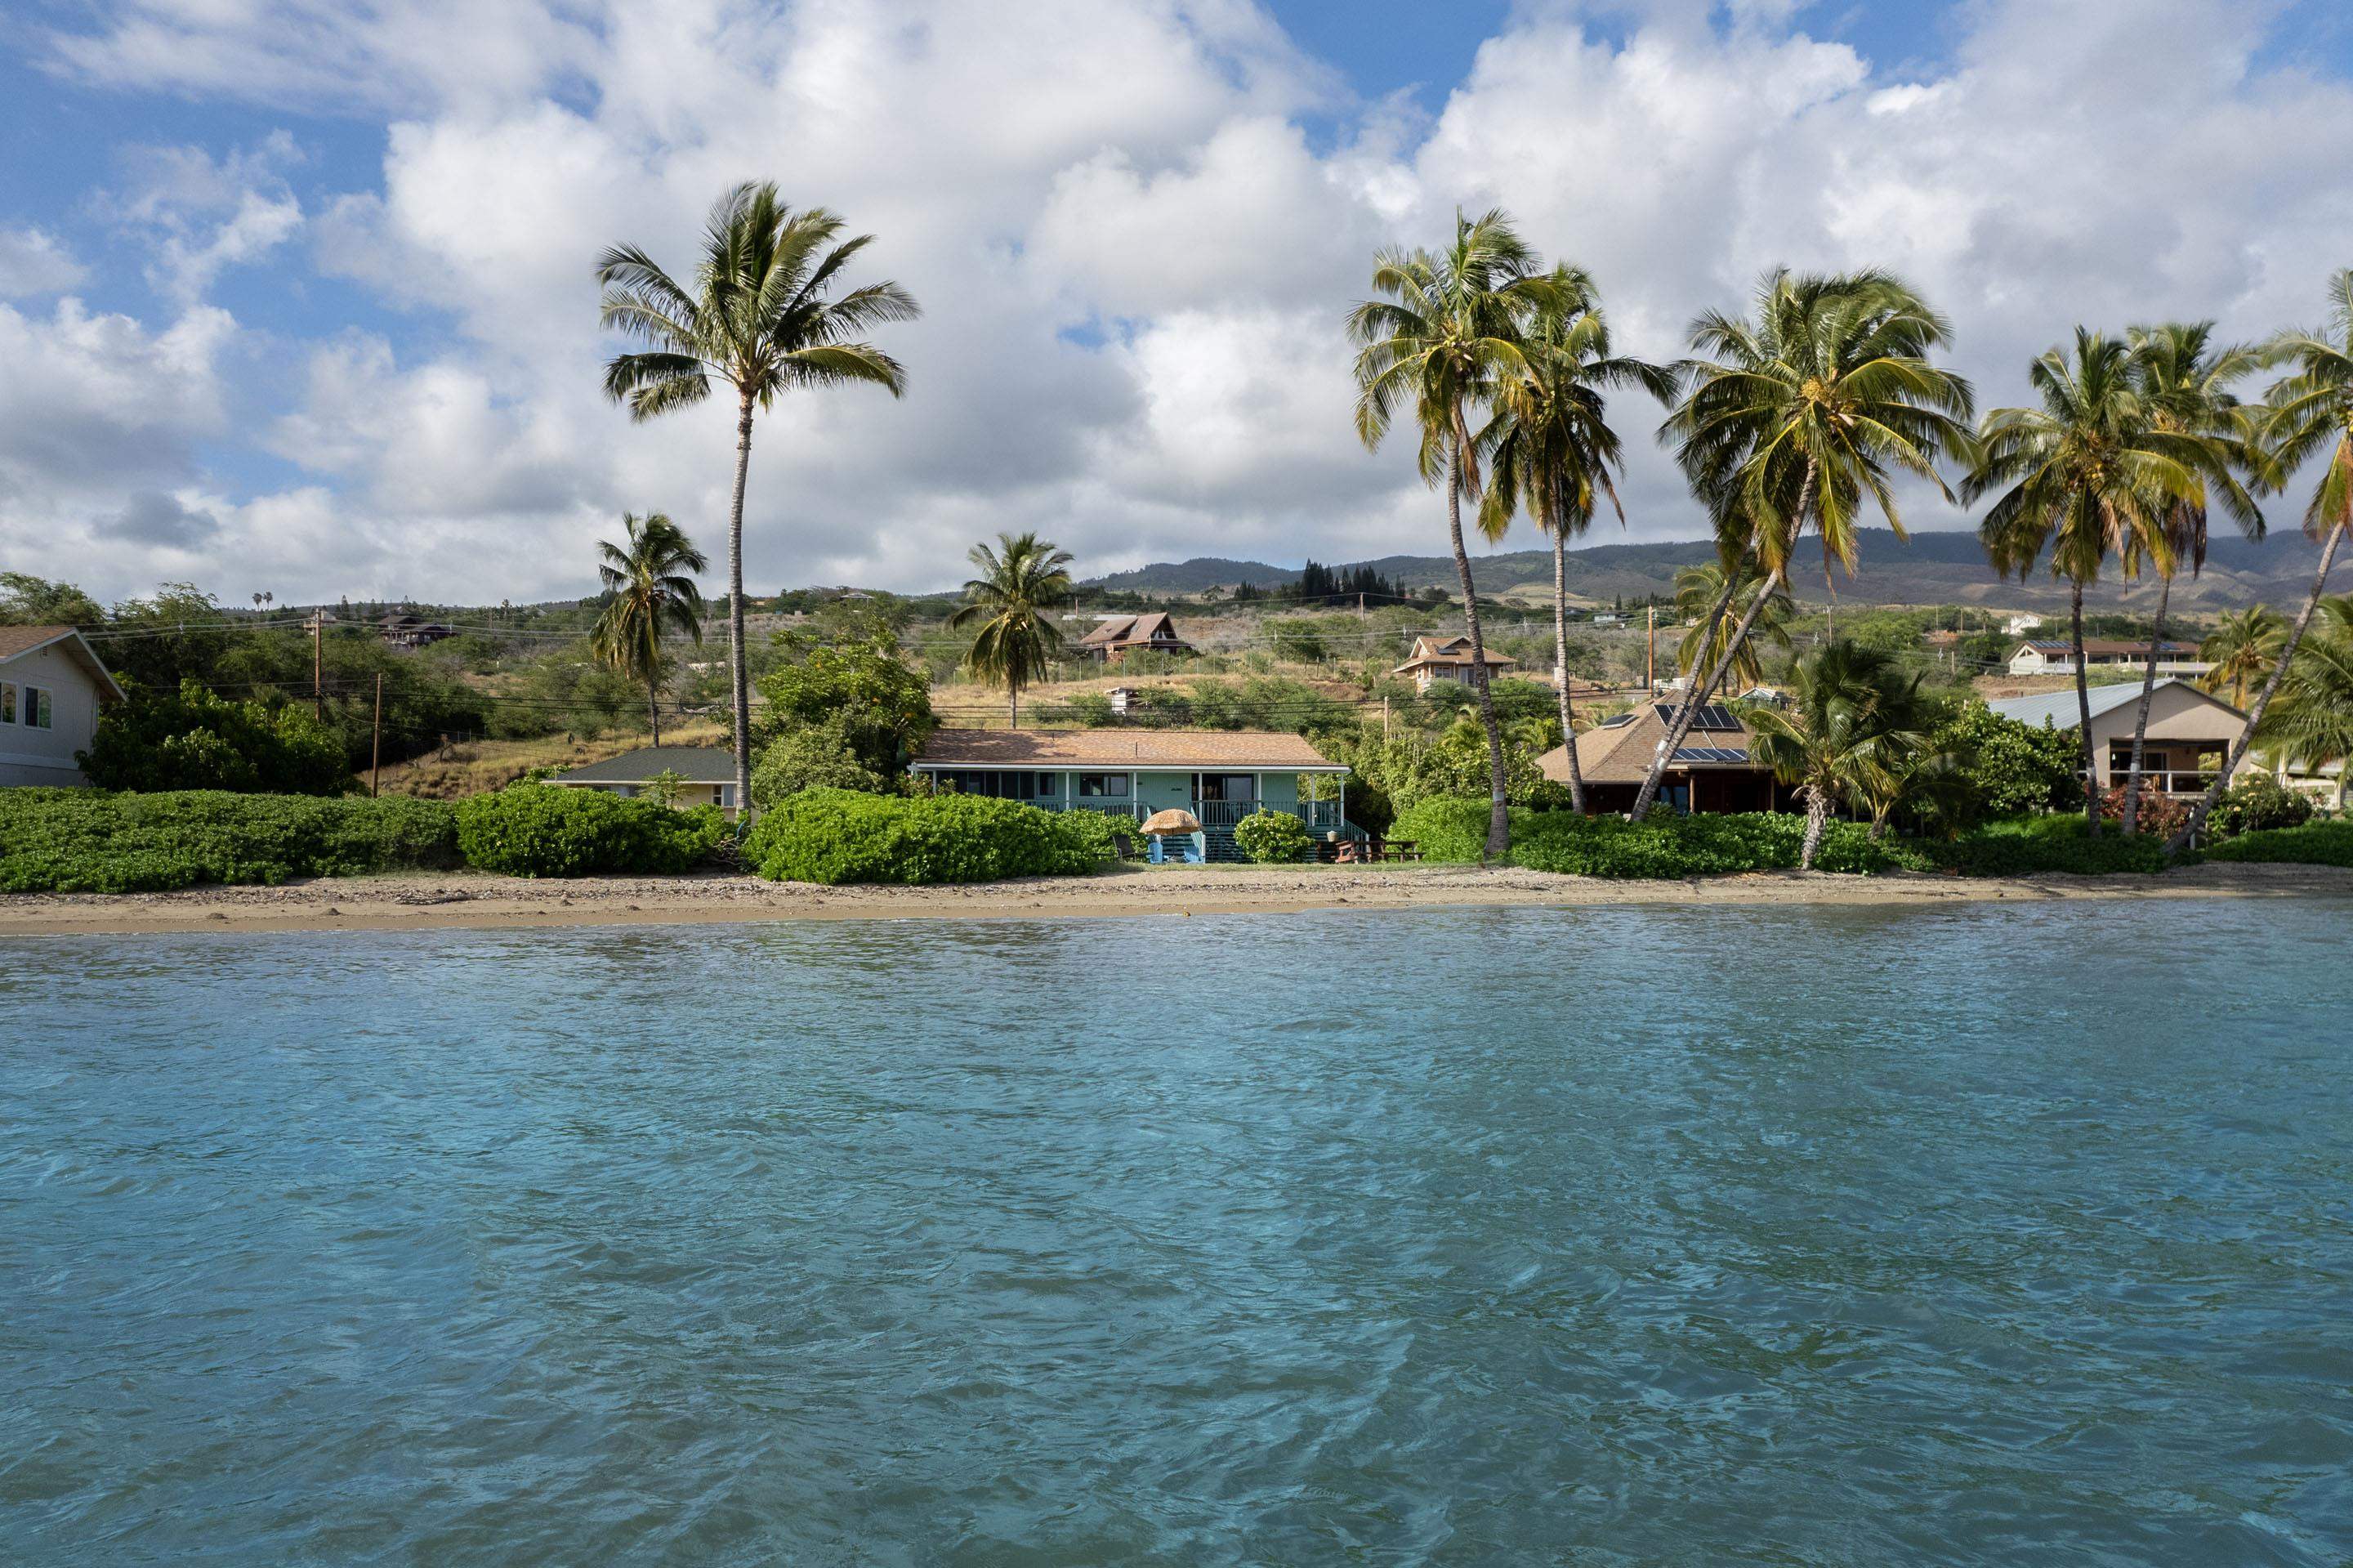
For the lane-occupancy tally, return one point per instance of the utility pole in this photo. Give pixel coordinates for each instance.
(1650, 653)
(376, 737)
(318, 665)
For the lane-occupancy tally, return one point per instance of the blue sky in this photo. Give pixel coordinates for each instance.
(298, 297)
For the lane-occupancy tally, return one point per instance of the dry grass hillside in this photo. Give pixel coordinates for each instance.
(474, 768)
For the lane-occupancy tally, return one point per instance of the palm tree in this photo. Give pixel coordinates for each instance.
(1854, 734)
(1550, 448)
(2185, 386)
(1446, 332)
(2307, 413)
(2089, 476)
(1796, 418)
(2312, 721)
(2241, 648)
(762, 319)
(1699, 595)
(648, 576)
(1011, 602)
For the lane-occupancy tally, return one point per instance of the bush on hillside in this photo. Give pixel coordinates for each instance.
(1273, 838)
(546, 830)
(2313, 843)
(89, 841)
(1664, 844)
(193, 739)
(839, 836)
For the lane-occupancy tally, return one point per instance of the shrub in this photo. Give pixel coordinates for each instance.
(818, 757)
(837, 836)
(2256, 804)
(195, 739)
(2160, 814)
(1272, 838)
(2313, 843)
(1664, 844)
(545, 829)
(2026, 846)
(88, 841)
(2013, 768)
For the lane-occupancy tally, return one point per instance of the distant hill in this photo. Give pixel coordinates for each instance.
(1946, 568)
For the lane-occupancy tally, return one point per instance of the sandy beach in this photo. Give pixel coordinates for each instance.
(460, 899)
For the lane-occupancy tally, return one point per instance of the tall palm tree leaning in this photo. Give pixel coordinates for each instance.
(1019, 585)
(1550, 449)
(761, 318)
(1699, 593)
(1795, 419)
(648, 576)
(2088, 475)
(1445, 334)
(2185, 384)
(2307, 413)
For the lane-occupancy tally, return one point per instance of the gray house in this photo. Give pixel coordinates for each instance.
(51, 687)
(708, 774)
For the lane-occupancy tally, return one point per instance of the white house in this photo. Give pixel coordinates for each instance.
(51, 687)
(2041, 656)
(705, 775)
(2189, 731)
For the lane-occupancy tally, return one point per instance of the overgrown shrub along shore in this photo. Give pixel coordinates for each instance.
(842, 836)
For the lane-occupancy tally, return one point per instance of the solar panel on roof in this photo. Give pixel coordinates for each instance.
(1710, 754)
(1710, 716)
(1617, 721)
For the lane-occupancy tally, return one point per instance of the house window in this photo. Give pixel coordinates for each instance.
(7, 702)
(37, 707)
(994, 784)
(1103, 786)
(1241, 787)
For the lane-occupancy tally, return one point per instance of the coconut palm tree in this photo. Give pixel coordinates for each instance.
(1699, 595)
(2306, 413)
(1445, 333)
(1011, 601)
(1855, 733)
(2185, 386)
(2241, 648)
(1797, 418)
(761, 318)
(2311, 722)
(647, 575)
(1550, 448)
(2088, 475)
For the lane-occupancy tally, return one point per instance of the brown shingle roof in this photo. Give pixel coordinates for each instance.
(1621, 753)
(17, 639)
(1121, 630)
(1122, 748)
(1448, 650)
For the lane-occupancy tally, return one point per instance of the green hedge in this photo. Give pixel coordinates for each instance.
(2315, 844)
(1273, 838)
(840, 835)
(90, 841)
(1664, 845)
(2027, 846)
(546, 830)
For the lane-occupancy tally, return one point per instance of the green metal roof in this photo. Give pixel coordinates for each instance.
(694, 764)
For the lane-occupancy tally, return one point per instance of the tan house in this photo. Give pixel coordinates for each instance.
(2189, 731)
(707, 774)
(1115, 637)
(1712, 771)
(52, 686)
(1449, 658)
(1219, 776)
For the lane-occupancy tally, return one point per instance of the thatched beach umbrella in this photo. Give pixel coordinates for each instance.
(1172, 822)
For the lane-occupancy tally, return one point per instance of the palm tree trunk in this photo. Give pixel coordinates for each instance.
(1696, 693)
(653, 708)
(1012, 705)
(1560, 666)
(1817, 817)
(737, 676)
(1499, 818)
(2197, 823)
(2083, 713)
(2140, 720)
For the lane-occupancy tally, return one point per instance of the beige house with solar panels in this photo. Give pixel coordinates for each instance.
(1712, 771)
(51, 687)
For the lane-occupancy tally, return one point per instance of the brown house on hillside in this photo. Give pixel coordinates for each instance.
(1712, 771)
(1449, 658)
(1120, 635)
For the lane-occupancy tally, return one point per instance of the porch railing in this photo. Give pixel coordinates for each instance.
(1322, 815)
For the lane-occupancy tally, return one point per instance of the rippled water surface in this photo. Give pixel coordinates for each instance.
(1610, 1236)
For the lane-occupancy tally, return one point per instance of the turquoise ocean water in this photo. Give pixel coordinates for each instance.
(1988, 1235)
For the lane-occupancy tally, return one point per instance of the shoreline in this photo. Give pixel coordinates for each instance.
(476, 900)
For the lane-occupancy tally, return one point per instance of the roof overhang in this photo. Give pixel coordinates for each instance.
(77, 649)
